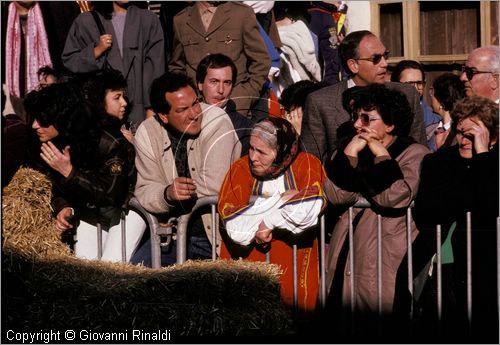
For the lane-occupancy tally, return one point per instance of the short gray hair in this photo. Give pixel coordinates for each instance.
(266, 131)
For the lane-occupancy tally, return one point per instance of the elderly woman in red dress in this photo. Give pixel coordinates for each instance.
(269, 201)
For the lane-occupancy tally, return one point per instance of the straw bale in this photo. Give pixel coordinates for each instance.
(46, 288)
(198, 298)
(27, 221)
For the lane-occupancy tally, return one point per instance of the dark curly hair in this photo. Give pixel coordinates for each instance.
(392, 105)
(448, 89)
(62, 105)
(483, 108)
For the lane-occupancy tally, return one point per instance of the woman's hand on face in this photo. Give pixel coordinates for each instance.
(481, 135)
(57, 160)
(375, 143)
(264, 234)
(356, 144)
(62, 219)
(295, 118)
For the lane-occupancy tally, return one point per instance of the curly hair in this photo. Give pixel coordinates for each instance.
(483, 108)
(448, 89)
(392, 105)
(62, 105)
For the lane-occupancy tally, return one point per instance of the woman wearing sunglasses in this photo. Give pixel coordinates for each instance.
(378, 162)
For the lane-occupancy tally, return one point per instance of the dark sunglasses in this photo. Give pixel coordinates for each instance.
(365, 118)
(470, 72)
(376, 58)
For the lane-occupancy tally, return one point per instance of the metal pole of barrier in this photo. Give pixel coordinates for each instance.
(379, 269)
(214, 231)
(410, 263)
(469, 272)
(439, 277)
(295, 280)
(322, 240)
(182, 224)
(99, 241)
(351, 266)
(153, 226)
(124, 237)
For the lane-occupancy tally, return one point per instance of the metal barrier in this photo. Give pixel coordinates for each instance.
(158, 232)
(439, 299)
(123, 238)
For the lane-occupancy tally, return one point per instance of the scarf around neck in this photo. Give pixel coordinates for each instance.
(37, 48)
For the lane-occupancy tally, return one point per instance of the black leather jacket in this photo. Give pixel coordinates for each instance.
(99, 192)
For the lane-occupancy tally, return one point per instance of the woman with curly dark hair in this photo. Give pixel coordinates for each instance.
(91, 165)
(380, 163)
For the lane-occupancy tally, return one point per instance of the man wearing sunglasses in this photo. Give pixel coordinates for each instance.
(364, 57)
(480, 73)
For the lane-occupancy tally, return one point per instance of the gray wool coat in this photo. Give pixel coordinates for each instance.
(143, 57)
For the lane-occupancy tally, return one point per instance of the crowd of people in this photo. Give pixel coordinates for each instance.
(131, 120)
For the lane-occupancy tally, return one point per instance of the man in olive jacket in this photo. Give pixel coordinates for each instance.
(229, 28)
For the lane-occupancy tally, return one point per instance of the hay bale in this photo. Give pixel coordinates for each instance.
(45, 287)
(27, 221)
(198, 298)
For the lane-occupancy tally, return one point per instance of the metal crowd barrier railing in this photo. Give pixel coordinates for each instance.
(160, 232)
(439, 300)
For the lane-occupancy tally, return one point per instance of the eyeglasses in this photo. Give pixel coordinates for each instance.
(365, 118)
(376, 58)
(470, 72)
(416, 83)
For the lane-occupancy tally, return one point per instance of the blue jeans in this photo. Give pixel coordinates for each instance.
(198, 247)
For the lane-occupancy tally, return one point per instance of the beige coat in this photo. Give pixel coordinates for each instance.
(400, 194)
(210, 156)
(234, 32)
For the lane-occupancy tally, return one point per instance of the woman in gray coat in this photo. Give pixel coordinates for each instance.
(133, 44)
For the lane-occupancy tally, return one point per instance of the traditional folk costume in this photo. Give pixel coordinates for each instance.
(246, 200)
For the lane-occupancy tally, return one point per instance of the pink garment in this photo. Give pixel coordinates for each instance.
(37, 48)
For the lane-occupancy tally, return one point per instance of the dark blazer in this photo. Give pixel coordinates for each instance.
(324, 114)
(233, 32)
